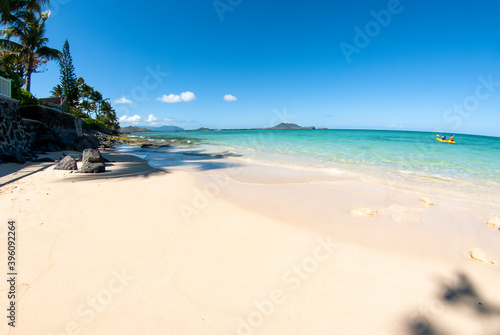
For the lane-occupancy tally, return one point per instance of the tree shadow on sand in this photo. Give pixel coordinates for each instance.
(13, 172)
(195, 159)
(463, 296)
(132, 166)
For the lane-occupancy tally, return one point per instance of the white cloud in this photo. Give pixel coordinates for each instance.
(138, 120)
(173, 98)
(187, 96)
(123, 100)
(130, 119)
(152, 118)
(229, 98)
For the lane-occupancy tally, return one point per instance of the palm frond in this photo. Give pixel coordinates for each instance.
(10, 45)
(49, 53)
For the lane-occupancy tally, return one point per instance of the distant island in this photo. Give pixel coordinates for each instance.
(131, 129)
(280, 126)
(289, 126)
(165, 128)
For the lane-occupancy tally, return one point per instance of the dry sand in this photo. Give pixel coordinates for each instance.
(241, 250)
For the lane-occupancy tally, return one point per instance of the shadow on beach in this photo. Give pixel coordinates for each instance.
(194, 160)
(460, 297)
(130, 167)
(12, 172)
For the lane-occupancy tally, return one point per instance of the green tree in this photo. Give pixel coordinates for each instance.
(29, 29)
(108, 115)
(14, 62)
(92, 105)
(79, 83)
(68, 76)
(57, 91)
(96, 100)
(10, 7)
(86, 107)
(85, 91)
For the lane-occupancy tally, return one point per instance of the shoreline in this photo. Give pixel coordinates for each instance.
(395, 201)
(479, 195)
(419, 149)
(230, 247)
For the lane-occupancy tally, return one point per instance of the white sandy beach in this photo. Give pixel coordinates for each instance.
(242, 250)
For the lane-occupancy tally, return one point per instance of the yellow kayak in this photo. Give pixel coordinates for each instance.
(447, 141)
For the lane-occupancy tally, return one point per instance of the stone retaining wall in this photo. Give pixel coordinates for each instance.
(54, 130)
(15, 142)
(28, 130)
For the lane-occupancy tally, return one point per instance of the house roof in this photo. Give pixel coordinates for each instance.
(53, 100)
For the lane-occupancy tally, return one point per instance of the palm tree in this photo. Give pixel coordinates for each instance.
(29, 28)
(106, 113)
(104, 107)
(109, 115)
(79, 84)
(86, 106)
(96, 98)
(57, 91)
(9, 7)
(84, 92)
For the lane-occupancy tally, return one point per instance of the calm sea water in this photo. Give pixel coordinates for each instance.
(473, 158)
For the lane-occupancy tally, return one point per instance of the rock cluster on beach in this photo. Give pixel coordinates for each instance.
(26, 131)
(145, 143)
(68, 163)
(92, 162)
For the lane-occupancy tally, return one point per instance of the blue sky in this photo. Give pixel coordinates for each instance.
(413, 65)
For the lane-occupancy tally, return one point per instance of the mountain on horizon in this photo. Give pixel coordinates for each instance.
(132, 129)
(164, 128)
(289, 126)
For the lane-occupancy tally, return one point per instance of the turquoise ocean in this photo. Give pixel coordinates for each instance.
(473, 162)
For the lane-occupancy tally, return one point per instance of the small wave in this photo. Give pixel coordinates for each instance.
(138, 155)
(425, 175)
(334, 170)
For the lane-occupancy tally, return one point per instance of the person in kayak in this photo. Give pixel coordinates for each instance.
(443, 137)
(452, 137)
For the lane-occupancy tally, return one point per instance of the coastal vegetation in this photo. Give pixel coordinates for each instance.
(132, 130)
(68, 85)
(84, 101)
(8, 7)
(24, 51)
(28, 28)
